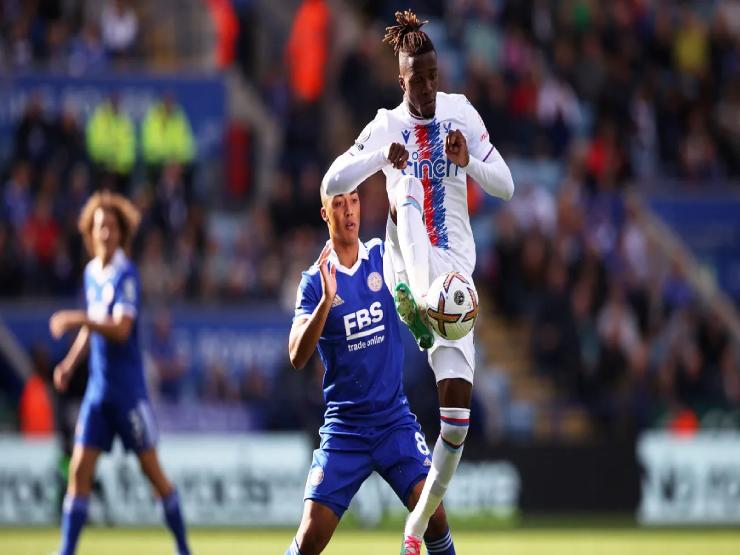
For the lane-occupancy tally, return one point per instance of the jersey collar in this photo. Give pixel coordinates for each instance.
(101, 274)
(362, 254)
(416, 120)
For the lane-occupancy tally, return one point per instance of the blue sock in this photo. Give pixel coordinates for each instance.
(74, 515)
(441, 546)
(293, 549)
(173, 516)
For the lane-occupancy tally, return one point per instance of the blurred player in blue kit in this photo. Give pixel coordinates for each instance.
(116, 401)
(344, 307)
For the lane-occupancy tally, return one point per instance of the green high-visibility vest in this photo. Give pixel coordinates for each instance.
(166, 137)
(111, 140)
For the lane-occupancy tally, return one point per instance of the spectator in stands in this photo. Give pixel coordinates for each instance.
(555, 335)
(111, 143)
(68, 142)
(308, 50)
(119, 25)
(170, 210)
(11, 275)
(166, 136)
(17, 200)
(306, 57)
(87, 53)
(156, 278)
(40, 236)
(33, 138)
(170, 366)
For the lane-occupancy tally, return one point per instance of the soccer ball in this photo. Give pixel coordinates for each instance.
(452, 305)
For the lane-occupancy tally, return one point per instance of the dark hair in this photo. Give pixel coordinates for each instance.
(407, 36)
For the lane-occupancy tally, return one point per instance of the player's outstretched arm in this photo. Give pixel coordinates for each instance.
(350, 169)
(306, 331)
(116, 328)
(64, 370)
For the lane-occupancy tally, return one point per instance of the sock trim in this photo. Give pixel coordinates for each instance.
(440, 545)
(455, 421)
(294, 550)
(451, 446)
(75, 503)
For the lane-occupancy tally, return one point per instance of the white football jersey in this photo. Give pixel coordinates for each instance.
(445, 184)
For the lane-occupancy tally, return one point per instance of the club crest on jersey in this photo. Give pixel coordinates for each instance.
(316, 476)
(374, 281)
(406, 133)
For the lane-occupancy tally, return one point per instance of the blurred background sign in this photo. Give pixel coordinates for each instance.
(690, 480)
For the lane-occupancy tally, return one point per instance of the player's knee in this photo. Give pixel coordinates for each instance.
(454, 425)
(410, 191)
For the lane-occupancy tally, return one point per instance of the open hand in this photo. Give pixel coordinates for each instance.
(62, 376)
(456, 148)
(328, 276)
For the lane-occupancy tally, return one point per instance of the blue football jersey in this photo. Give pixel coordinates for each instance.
(360, 344)
(116, 369)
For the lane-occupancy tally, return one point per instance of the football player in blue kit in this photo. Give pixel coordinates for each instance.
(116, 401)
(344, 307)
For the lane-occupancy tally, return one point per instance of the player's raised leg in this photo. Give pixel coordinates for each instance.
(413, 243)
(74, 511)
(167, 494)
(316, 529)
(454, 401)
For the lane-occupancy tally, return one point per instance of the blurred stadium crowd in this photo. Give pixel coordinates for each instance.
(586, 99)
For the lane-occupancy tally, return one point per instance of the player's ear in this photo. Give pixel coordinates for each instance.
(402, 83)
(324, 215)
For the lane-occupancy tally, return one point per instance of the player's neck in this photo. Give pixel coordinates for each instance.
(105, 257)
(347, 253)
(413, 111)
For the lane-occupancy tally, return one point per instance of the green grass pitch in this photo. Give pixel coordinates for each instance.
(97, 541)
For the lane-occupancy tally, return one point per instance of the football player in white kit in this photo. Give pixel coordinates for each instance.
(425, 147)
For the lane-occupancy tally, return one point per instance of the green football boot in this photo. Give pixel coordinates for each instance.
(408, 310)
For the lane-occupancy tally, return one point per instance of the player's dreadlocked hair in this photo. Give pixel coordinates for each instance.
(407, 36)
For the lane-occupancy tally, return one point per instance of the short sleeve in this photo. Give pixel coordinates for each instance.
(372, 137)
(306, 297)
(126, 296)
(479, 142)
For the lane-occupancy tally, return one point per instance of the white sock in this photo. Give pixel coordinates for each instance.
(412, 234)
(454, 423)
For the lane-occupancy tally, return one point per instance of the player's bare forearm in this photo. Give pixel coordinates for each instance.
(79, 347)
(305, 334)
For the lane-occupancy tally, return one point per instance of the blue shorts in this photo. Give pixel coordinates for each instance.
(343, 462)
(100, 421)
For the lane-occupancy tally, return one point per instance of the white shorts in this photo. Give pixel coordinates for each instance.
(448, 359)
